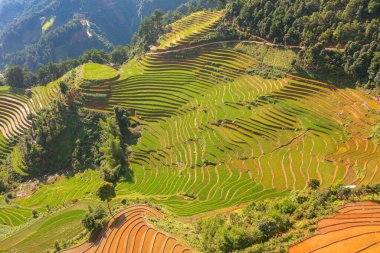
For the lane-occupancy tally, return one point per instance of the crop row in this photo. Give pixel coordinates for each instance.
(189, 29)
(128, 231)
(204, 110)
(354, 229)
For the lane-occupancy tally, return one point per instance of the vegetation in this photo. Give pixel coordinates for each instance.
(94, 219)
(350, 24)
(193, 127)
(18, 77)
(106, 192)
(94, 71)
(47, 24)
(30, 41)
(271, 226)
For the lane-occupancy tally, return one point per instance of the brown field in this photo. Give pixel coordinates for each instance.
(356, 228)
(129, 232)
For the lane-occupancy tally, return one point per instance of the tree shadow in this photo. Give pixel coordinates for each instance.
(337, 78)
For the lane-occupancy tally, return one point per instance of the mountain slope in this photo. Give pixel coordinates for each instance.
(43, 30)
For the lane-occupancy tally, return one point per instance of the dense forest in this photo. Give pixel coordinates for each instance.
(353, 25)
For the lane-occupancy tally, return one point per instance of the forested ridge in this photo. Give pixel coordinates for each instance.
(24, 42)
(353, 25)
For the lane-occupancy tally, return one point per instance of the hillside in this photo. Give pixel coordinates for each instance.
(201, 144)
(34, 33)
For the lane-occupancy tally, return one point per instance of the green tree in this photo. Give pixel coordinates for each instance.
(123, 119)
(94, 55)
(314, 184)
(19, 77)
(268, 227)
(63, 87)
(120, 55)
(111, 149)
(344, 192)
(371, 190)
(94, 219)
(106, 192)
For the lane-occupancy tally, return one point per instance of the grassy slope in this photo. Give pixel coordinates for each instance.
(281, 132)
(41, 235)
(94, 71)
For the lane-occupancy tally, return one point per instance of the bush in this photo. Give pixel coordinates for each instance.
(94, 219)
(57, 246)
(287, 206)
(35, 213)
(314, 184)
(268, 227)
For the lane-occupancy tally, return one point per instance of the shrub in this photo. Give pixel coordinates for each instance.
(314, 184)
(94, 219)
(57, 246)
(268, 227)
(287, 206)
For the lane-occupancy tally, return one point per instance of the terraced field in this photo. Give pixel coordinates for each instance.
(354, 229)
(64, 191)
(220, 128)
(128, 231)
(217, 131)
(15, 106)
(98, 72)
(188, 30)
(13, 216)
(40, 235)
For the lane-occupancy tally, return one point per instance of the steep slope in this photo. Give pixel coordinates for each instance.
(210, 125)
(220, 128)
(43, 30)
(128, 231)
(16, 105)
(354, 229)
(219, 133)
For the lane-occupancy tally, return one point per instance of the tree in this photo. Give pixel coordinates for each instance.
(94, 55)
(149, 31)
(344, 192)
(63, 87)
(94, 219)
(19, 77)
(7, 200)
(57, 246)
(268, 227)
(371, 189)
(314, 184)
(35, 213)
(2, 80)
(106, 192)
(120, 54)
(123, 119)
(112, 152)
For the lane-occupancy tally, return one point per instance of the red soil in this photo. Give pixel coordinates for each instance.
(356, 228)
(128, 232)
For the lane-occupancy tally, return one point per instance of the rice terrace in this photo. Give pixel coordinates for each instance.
(219, 126)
